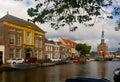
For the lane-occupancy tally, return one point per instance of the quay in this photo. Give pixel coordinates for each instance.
(46, 64)
(5, 67)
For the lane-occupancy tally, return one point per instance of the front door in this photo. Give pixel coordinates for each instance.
(27, 53)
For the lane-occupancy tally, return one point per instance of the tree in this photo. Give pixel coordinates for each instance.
(61, 13)
(83, 49)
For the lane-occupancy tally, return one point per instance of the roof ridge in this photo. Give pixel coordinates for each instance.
(20, 21)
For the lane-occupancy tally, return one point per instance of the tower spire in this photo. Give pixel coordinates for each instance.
(102, 37)
(7, 12)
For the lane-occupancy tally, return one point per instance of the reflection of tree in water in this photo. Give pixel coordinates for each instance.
(102, 69)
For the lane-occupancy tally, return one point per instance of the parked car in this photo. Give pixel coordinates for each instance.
(55, 59)
(15, 61)
(31, 60)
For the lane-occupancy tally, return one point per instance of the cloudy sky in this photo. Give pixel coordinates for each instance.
(89, 35)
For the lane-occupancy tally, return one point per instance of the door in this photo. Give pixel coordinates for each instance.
(27, 53)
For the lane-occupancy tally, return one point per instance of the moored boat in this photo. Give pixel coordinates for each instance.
(23, 66)
(115, 59)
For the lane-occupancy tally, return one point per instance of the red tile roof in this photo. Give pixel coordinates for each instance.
(67, 41)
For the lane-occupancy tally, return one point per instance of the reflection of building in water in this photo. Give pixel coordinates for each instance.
(102, 69)
(102, 48)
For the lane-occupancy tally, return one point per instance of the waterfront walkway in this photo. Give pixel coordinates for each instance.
(5, 67)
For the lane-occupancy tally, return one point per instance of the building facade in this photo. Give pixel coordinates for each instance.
(49, 49)
(20, 38)
(62, 49)
(70, 46)
(102, 48)
(52, 49)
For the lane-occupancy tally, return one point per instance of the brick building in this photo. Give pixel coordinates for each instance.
(102, 48)
(20, 38)
(70, 46)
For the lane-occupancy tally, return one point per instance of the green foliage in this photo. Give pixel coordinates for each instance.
(83, 49)
(65, 12)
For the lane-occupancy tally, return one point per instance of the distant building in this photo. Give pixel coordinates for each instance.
(69, 47)
(102, 48)
(51, 49)
(20, 38)
(117, 54)
(62, 50)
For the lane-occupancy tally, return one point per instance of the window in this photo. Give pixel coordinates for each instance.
(36, 43)
(12, 29)
(40, 54)
(18, 40)
(11, 38)
(50, 48)
(18, 31)
(11, 53)
(46, 48)
(40, 43)
(36, 53)
(18, 53)
(28, 37)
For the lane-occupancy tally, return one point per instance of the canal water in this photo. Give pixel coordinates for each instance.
(93, 69)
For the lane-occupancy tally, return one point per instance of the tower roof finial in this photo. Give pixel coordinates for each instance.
(102, 37)
(7, 12)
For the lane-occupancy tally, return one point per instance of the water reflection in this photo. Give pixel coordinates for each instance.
(61, 72)
(102, 69)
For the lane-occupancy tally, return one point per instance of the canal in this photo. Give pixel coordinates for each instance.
(94, 69)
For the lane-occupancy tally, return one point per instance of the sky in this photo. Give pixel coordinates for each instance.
(89, 35)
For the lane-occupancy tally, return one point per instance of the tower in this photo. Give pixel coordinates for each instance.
(102, 38)
(102, 48)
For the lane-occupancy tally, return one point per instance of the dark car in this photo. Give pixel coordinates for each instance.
(31, 60)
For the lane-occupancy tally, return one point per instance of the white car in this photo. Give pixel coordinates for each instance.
(15, 61)
(55, 59)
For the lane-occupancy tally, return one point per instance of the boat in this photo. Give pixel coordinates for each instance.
(90, 59)
(116, 73)
(115, 59)
(23, 66)
(69, 61)
(83, 79)
(116, 78)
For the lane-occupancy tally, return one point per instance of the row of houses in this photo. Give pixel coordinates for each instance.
(20, 38)
(62, 49)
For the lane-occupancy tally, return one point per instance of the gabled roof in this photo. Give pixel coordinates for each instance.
(68, 42)
(49, 41)
(21, 22)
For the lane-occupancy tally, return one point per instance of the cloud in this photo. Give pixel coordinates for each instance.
(89, 35)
